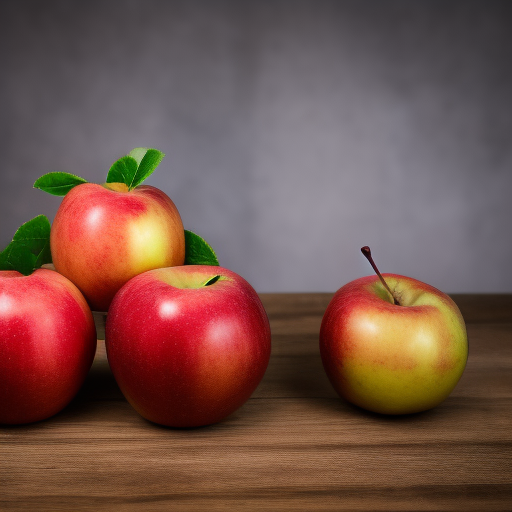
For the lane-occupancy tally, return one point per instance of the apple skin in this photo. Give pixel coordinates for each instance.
(47, 344)
(185, 354)
(393, 359)
(103, 235)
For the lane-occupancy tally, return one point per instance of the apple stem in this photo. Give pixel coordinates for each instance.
(368, 255)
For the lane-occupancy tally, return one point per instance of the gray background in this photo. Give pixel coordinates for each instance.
(295, 131)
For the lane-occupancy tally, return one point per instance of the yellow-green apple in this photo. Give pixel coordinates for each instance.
(187, 345)
(47, 344)
(103, 235)
(392, 344)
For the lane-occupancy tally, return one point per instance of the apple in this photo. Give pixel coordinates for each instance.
(47, 344)
(103, 235)
(391, 344)
(187, 345)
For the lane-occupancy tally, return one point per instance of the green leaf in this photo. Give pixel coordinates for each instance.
(58, 183)
(198, 251)
(123, 171)
(4, 262)
(134, 168)
(30, 247)
(147, 164)
(212, 280)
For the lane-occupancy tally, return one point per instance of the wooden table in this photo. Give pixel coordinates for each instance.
(293, 446)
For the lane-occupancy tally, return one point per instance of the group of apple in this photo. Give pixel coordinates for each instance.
(188, 344)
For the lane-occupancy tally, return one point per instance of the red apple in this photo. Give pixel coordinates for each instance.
(103, 235)
(393, 352)
(47, 344)
(187, 345)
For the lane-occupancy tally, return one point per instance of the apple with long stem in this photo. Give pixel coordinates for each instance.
(392, 344)
(187, 345)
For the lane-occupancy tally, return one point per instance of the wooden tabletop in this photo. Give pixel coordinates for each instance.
(295, 445)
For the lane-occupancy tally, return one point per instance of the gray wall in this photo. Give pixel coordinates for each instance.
(295, 131)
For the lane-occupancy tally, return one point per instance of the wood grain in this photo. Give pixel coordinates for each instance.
(293, 446)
